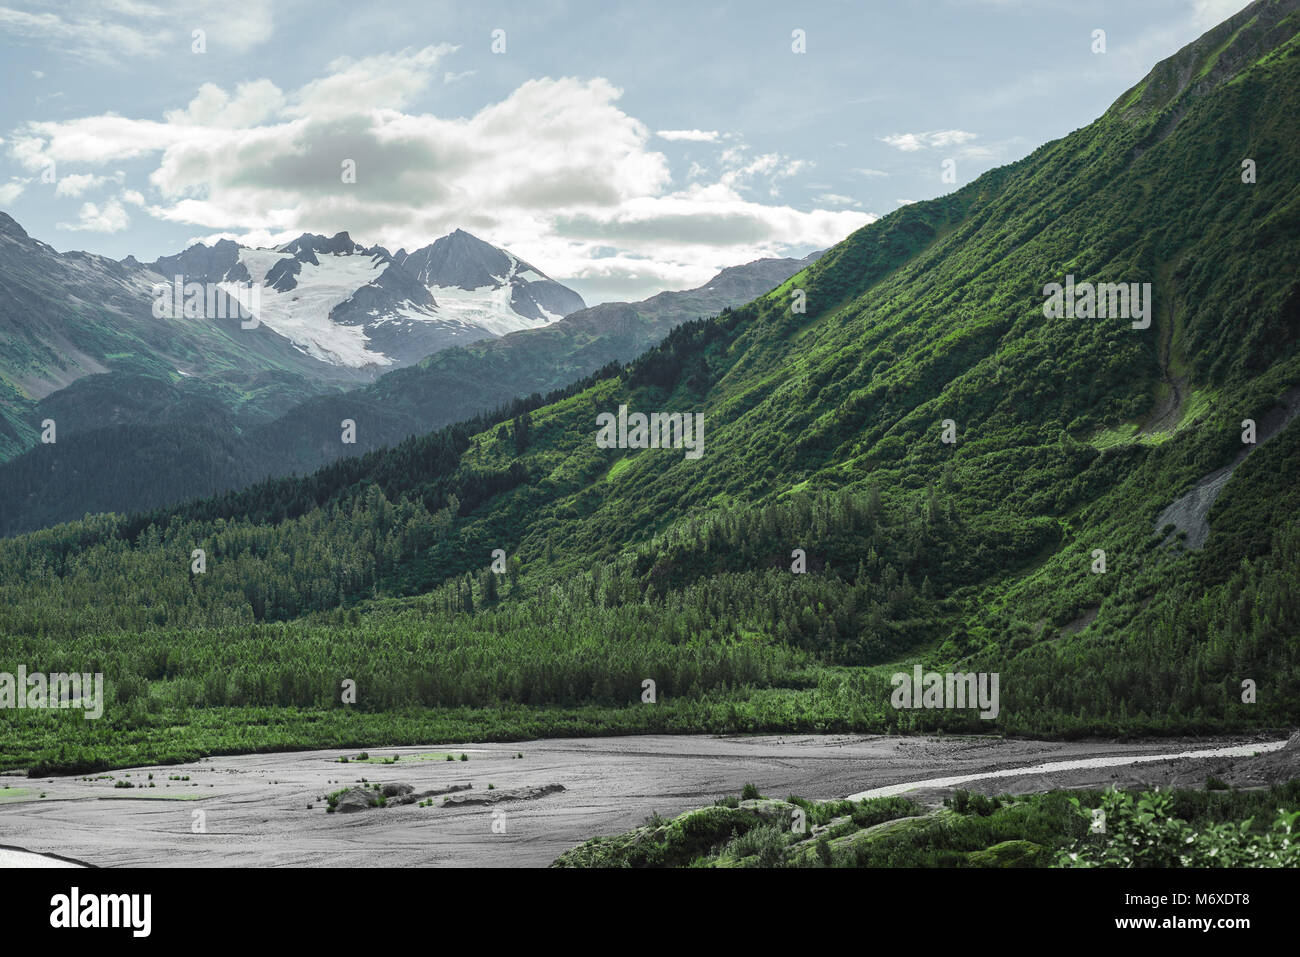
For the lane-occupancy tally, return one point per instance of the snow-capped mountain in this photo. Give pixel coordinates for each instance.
(357, 306)
(481, 284)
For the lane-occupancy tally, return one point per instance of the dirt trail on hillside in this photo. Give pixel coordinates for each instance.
(255, 807)
(1168, 411)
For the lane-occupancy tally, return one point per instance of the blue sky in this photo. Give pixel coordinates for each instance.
(621, 148)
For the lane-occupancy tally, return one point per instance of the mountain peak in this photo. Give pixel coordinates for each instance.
(465, 240)
(1217, 56)
(10, 227)
(462, 260)
(340, 244)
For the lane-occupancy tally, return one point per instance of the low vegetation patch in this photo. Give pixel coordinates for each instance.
(1181, 828)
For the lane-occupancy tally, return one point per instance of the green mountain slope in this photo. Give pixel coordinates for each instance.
(136, 441)
(823, 432)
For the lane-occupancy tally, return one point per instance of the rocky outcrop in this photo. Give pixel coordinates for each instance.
(393, 793)
(355, 799)
(411, 797)
(497, 796)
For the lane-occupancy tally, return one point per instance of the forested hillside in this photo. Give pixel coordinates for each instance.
(824, 432)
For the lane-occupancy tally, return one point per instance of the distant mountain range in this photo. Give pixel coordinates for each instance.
(153, 410)
(268, 328)
(350, 305)
(66, 317)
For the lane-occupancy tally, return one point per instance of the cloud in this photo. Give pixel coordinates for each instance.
(77, 184)
(91, 140)
(384, 81)
(450, 77)
(114, 32)
(911, 142)
(555, 170)
(109, 218)
(252, 103)
(689, 136)
(836, 199)
(740, 170)
(982, 153)
(11, 190)
(869, 172)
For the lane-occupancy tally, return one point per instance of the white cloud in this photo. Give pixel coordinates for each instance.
(111, 217)
(836, 199)
(113, 32)
(870, 173)
(556, 171)
(740, 170)
(689, 136)
(451, 77)
(76, 184)
(91, 140)
(11, 190)
(385, 81)
(252, 103)
(981, 153)
(911, 142)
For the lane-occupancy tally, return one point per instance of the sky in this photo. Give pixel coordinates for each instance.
(621, 148)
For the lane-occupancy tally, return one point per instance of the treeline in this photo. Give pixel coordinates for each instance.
(872, 582)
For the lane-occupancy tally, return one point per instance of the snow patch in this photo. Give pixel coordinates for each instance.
(487, 307)
(301, 314)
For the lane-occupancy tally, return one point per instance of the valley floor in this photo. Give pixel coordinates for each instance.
(255, 808)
